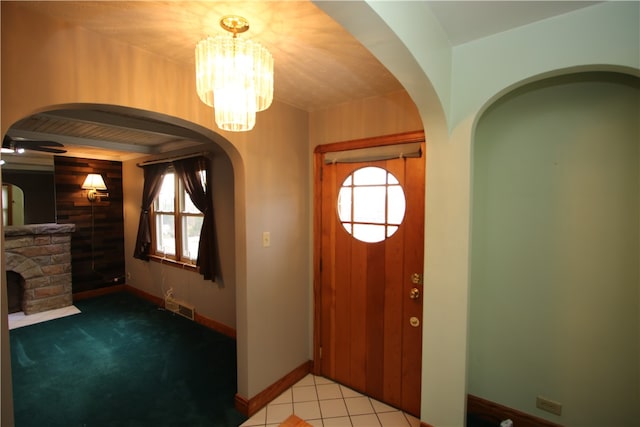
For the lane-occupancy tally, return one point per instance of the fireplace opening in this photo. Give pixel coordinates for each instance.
(15, 291)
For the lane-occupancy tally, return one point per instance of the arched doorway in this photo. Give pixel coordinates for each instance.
(227, 169)
(554, 252)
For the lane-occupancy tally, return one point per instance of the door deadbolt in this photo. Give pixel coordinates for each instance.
(414, 321)
(414, 293)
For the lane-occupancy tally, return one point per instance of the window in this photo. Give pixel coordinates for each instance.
(175, 221)
(371, 204)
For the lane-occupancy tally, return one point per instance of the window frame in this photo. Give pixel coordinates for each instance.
(178, 213)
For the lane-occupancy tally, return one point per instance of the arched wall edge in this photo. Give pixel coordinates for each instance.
(609, 68)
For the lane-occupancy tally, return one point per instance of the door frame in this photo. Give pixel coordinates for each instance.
(318, 154)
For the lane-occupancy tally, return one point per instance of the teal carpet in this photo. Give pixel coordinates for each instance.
(123, 362)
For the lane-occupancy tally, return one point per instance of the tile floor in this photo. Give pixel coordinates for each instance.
(17, 320)
(324, 403)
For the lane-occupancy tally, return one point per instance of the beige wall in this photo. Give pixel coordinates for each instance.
(394, 113)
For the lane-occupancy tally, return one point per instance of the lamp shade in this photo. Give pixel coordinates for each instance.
(94, 181)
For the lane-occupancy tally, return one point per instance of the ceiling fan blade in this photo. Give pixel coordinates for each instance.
(46, 149)
(33, 145)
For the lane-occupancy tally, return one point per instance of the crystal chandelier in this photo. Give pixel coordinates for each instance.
(234, 76)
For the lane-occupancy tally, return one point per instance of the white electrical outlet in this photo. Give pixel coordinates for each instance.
(549, 405)
(266, 239)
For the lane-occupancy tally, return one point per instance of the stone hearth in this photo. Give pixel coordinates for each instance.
(41, 254)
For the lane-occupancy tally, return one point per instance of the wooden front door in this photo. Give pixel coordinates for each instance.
(369, 277)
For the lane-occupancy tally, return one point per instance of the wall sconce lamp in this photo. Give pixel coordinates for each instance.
(94, 182)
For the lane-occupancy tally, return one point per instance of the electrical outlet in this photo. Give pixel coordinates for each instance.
(549, 405)
(266, 239)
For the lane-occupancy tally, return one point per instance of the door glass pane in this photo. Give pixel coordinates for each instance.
(396, 204)
(165, 234)
(368, 204)
(369, 233)
(370, 176)
(344, 204)
(191, 226)
(371, 204)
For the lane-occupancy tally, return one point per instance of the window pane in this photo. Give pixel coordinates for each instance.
(344, 204)
(370, 176)
(165, 235)
(191, 226)
(203, 178)
(165, 200)
(396, 204)
(369, 233)
(187, 204)
(5, 204)
(368, 204)
(391, 229)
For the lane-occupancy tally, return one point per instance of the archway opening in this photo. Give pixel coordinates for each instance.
(555, 245)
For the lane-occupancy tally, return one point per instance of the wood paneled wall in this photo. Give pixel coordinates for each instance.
(97, 246)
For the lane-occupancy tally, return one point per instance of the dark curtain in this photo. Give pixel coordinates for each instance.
(188, 171)
(152, 182)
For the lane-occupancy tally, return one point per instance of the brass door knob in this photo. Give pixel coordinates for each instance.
(414, 293)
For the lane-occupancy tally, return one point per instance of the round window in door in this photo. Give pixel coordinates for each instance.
(371, 204)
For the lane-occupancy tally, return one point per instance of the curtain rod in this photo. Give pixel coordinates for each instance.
(171, 159)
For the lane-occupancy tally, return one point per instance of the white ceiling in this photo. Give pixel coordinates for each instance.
(317, 63)
(465, 21)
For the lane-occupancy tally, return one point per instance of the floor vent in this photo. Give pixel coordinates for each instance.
(179, 308)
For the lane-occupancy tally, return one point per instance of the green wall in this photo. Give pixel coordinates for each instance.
(554, 293)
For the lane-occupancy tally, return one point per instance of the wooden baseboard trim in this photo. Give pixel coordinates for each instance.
(496, 413)
(248, 407)
(144, 295)
(78, 296)
(198, 318)
(216, 326)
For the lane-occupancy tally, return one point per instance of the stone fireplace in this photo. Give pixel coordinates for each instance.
(41, 255)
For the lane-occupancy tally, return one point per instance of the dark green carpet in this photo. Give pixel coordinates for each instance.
(123, 362)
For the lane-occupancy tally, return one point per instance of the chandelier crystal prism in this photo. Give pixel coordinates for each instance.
(234, 76)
